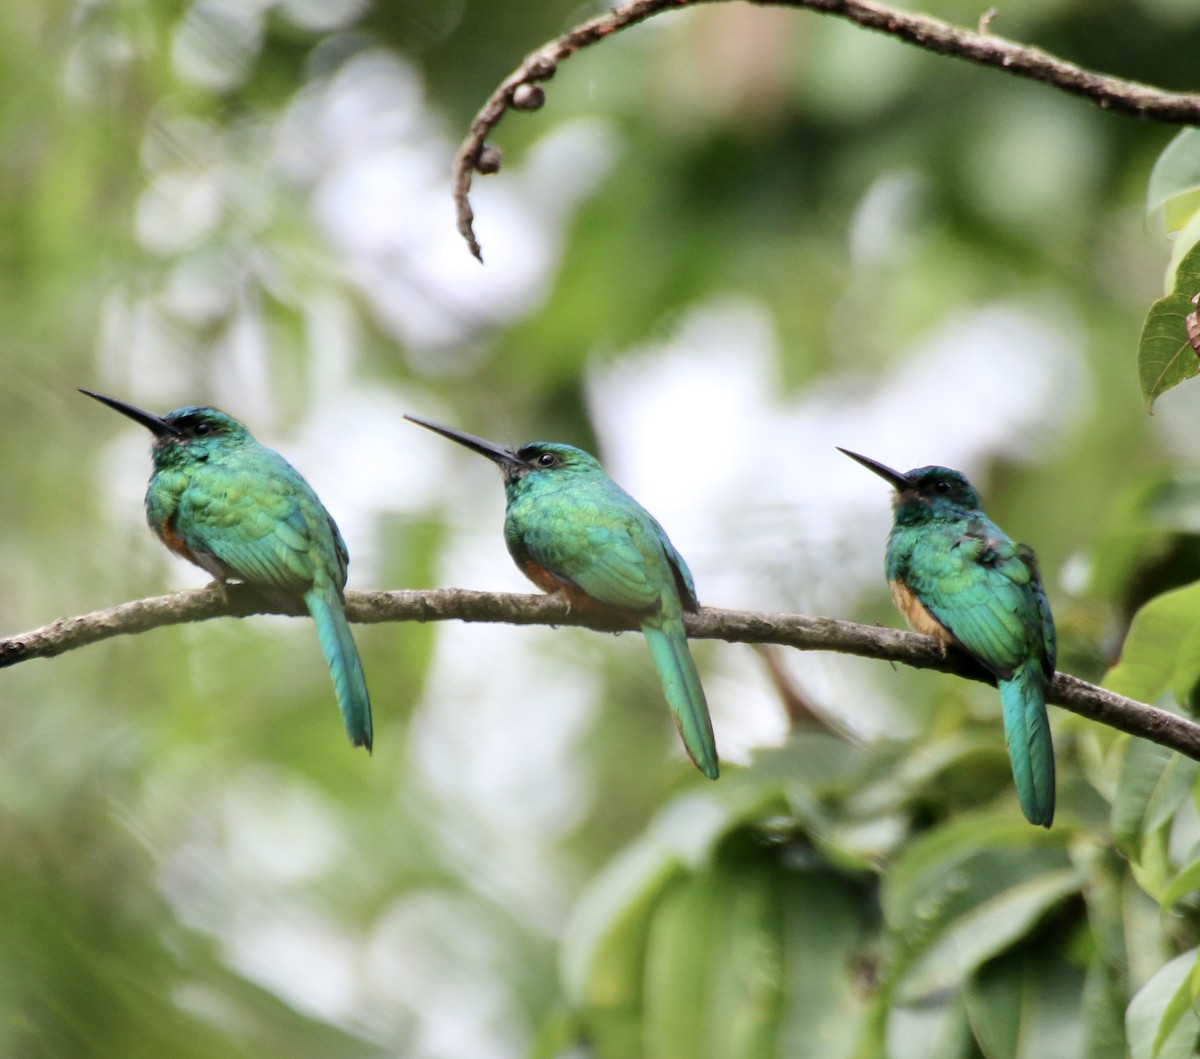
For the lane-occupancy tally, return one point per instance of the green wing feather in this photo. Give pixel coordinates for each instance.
(270, 530)
(613, 556)
(987, 591)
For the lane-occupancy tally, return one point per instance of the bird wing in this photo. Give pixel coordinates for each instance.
(1049, 637)
(683, 576)
(265, 527)
(986, 591)
(615, 556)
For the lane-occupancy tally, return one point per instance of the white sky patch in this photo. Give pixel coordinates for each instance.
(378, 168)
(309, 962)
(1176, 422)
(255, 844)
(439, 974)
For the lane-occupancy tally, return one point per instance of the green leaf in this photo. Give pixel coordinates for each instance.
(908, 776)
(679, 963)
(714, 980)
(1162, 650)
(967, 892)
(934, 1029)
(1174, 185)
(1186, 881)
(603, 943)
(821, 925)
(602, 950)
(987, 928)
(705, 939)
(1184, 240)
(1165, 356)
(754, 959)
(1025, 1005)
(1153, 781)
(1104, 1001)
(912, 900)
(1161, 1022)
(743, 958)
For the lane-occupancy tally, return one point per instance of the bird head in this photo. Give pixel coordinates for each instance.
(533, 460)
(191, 433)
(924, 491)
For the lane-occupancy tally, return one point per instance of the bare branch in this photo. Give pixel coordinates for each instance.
(1110, 93)
(712, 623)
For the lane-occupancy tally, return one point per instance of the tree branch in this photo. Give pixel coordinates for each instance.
(712, 623)
(521, 89)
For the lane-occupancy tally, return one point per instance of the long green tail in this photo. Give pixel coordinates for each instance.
(1027, 733)
(344, 666)
(685, 696)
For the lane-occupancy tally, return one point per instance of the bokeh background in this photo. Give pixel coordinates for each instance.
(733, 239)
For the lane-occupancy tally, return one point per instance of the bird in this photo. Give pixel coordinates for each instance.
(240, 511)
(958, 578)
(572, 530)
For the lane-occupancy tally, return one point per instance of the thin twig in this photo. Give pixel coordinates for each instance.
(1110, 93)
(712, 623)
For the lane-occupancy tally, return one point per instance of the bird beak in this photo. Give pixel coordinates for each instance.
(505, 457)
(158, 426)
(897, 480)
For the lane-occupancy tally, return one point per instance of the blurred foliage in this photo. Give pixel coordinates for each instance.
(1165, 355)
(247, 203)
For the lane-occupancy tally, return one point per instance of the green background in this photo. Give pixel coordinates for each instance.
(733, 239)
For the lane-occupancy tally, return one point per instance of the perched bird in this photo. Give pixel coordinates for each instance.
(571, 529)
(957, 577)
(240, 510)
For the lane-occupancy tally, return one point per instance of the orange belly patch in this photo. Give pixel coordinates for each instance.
(173, 540)
(919, 619)
(549, 582)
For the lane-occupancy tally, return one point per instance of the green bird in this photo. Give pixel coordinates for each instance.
(239, 510)
(571, 529)
(957, 577)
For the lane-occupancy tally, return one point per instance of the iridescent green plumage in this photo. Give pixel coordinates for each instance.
(239, 510)
(956, 576)
(571, 528)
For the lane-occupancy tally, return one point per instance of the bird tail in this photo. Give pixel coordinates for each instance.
(325, 605)
(685, 696)
(1027, 733)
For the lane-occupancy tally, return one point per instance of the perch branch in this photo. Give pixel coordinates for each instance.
(522, 90)
(733, 626)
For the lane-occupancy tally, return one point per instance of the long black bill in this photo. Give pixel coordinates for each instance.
(896, 479)
(497, 453)
(155, 424)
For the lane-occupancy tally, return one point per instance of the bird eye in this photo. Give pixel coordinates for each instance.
(941, 486)
(546, 459)
(201, 429)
